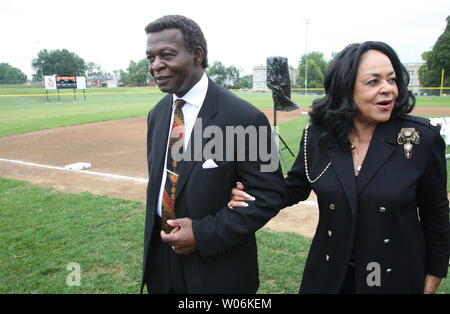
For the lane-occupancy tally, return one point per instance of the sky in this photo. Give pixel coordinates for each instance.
(242, 33)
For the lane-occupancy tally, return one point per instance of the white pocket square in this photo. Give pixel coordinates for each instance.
(209, 164)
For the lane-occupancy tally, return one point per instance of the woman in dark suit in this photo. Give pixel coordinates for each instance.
(380, 179)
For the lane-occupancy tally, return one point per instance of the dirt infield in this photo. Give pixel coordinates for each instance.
(118, 147)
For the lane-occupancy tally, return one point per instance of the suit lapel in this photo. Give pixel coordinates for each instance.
(194, 151)
(160, 137)
(343, 166)
(380, 149)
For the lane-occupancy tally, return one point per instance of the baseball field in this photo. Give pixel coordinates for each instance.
(51, 216)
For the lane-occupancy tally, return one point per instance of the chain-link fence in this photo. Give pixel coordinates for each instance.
(431, 91)
(419, 91)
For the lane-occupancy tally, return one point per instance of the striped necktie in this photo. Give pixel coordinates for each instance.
(176, 142)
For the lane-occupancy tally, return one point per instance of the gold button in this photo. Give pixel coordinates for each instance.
(386, 241)
(332, 207)
(382, 209)
(388, 270)
(330, 233)
(327, 257)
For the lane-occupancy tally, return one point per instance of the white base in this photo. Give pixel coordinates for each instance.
(79, 166)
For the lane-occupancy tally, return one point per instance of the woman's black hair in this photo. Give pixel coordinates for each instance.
(335, 112)
(192, 33)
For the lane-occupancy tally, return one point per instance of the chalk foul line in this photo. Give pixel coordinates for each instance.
(108, 175)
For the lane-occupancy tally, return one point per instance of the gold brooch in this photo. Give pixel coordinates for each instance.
(407, 137)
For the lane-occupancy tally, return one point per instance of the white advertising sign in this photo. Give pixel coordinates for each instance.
(81, 82)
(50, 81)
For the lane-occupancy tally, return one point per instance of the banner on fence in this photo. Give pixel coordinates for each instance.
(50, 81)
(81, 82)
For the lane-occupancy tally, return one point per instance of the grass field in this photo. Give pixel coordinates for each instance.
(43, 230)
(22, 111)
(32, 113)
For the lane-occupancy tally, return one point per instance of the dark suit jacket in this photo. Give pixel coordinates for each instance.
(226, 258)
(376, 214)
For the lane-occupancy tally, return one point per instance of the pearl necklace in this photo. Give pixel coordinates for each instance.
(305, 156)
(358, 168)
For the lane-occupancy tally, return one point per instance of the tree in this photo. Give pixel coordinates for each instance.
(423, 70)
(245, 81)
(218, 72)
(124, 77)
(317, 67)
(94, 69)
(137, 73)
(228, 77)
(57, 62)
(435, 60)
(233, 75)
(11, 75)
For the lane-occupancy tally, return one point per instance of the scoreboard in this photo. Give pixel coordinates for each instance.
(57, 82)
(66, 82)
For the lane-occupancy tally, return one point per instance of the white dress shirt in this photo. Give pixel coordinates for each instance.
(194, 100)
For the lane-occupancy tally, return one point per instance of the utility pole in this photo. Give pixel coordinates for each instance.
(306, 56)
(42, 70)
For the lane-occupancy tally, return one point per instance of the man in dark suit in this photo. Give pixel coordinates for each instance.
(194, 243)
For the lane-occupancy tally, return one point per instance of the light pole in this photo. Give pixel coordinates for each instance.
(307, 21)
(42, 70)
(38, 42)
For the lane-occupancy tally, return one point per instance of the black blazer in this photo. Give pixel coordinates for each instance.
(395, 213)
(226, 258)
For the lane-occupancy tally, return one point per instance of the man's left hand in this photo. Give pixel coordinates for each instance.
(181, 239)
